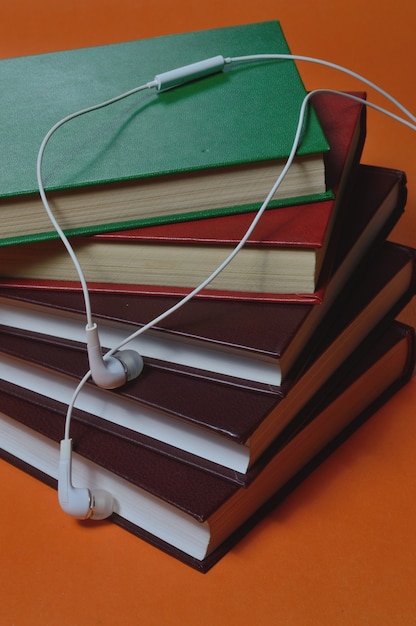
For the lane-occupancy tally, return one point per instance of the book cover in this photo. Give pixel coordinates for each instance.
(166, 258)
(104, 168)
(255, 341)
(200, 517)
(215, 424)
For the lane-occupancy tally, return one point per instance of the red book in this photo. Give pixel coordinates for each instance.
(286, 254)
(259, 342)
(220, 426)
(189, 513)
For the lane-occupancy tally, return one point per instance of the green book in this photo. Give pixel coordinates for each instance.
(211, 147)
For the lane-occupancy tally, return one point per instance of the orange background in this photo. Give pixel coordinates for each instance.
(341, 549)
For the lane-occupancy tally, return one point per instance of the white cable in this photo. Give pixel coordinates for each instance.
(217, 271)
(45, 202)
(339, 68)
(259, 213)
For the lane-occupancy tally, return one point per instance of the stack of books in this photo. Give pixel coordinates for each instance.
(253, 382)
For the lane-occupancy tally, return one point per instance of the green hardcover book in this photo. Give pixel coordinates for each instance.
(211, 147)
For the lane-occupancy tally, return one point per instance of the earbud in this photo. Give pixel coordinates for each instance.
(80, 502)
(114, 371)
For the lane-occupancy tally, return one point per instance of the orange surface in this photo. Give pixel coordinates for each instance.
(342, 549)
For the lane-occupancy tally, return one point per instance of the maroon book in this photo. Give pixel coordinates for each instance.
(189, 513)
(220, 426)
(259, 342)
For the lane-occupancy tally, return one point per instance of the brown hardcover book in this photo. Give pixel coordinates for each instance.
(185, 511)
(285, 253)
(222, 427)
(259, 342)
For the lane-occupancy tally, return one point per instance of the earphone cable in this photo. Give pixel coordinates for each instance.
(259, 213)
(214, 274)
(338, 68)
(45, 202)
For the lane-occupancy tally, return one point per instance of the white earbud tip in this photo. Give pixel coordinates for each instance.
(102, 504)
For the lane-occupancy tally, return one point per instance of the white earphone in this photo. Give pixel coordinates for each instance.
(80, 502)
(117, 367)
(112, 371)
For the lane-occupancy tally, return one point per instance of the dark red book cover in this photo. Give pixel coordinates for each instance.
(264, 330)
(195, 492)
(231, 411)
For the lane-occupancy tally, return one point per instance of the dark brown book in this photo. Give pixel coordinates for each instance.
(222, 427)
(185, 511)
(258, 342)
(291, 242)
